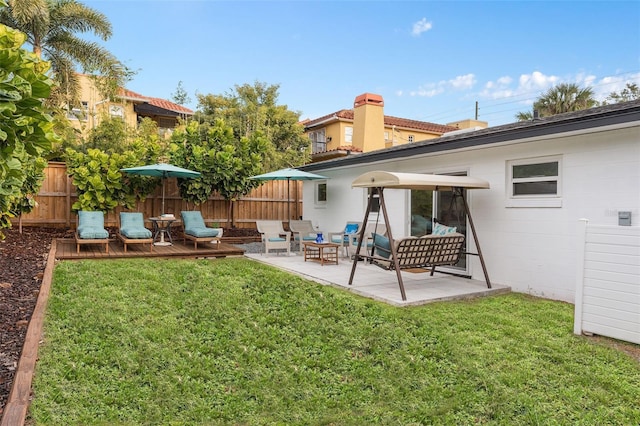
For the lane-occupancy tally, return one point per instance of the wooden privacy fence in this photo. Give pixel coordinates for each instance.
(608, 282)
(267, 202)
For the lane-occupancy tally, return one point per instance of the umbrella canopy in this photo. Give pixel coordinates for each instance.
(163, 171)
(288, 174)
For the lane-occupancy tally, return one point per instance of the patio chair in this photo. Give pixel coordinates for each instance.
(302, 230)
(196, 230)
(367, 244)
(274, 237)
(131, 230)
(343, 237)
(90, 229)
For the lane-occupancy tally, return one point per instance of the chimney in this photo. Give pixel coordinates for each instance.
(368, 122)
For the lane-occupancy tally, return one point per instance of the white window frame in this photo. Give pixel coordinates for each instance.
(411, 138)
(534, 200)
(348, 135)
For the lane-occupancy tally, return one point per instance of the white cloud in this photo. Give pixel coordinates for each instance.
(463, 82)
(420, 27)
(429, 90)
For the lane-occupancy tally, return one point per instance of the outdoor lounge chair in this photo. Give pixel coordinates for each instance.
(302, 230)
(196, 230)
(90, 229)
(131, 230)
(343, 237)
(274, 237)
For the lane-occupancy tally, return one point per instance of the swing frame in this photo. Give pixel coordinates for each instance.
(381, 180)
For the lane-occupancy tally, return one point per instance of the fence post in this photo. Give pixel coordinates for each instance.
(580, 249)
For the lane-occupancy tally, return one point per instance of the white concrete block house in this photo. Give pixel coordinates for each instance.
(545, 175)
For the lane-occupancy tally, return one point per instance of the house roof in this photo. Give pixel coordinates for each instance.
(621, 114)
(347, 115)
(160, 104)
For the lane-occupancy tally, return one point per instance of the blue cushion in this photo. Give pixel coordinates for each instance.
(440, 229)
(351, 228)
(201, 232)
(192, 219)
(88, 233)
(91, 225)
(132, 225)
(306, 238)
(382, 244)
(135, 233)
(276, 239)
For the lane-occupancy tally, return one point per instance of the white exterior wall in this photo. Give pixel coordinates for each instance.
(531, 249)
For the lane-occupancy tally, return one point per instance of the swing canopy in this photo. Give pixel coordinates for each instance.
(380, 179)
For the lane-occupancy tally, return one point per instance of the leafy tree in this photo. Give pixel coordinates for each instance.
(253, 108)
(630, 93)
(26, 128)
(95, 167)
(225, 163)
(51, 27)
(180, 96)
(565, 97)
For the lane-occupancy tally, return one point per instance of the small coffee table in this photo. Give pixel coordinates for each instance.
(321, 252)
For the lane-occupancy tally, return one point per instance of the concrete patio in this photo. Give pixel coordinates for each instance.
(376, 283)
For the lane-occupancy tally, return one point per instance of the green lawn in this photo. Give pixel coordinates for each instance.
(233, 341)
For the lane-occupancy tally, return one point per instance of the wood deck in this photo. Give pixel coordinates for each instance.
(66, 249)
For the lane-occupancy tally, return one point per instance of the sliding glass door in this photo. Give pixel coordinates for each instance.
(445, 207)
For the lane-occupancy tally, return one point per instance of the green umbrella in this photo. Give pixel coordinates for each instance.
(288, 174)
(163, 171)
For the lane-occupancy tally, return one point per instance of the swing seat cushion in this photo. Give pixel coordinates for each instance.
(382, 245)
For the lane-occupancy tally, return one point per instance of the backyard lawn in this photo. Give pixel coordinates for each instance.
(232, 341)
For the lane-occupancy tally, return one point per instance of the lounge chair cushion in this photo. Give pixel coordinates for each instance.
(132, 226)
(201, 232)
(194, 225)
(91, 225)
(440, 229)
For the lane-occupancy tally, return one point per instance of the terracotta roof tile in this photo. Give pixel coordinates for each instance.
(161, 103)
(165, 104)
(347, 114)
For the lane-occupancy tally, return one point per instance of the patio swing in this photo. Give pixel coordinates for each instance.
(428, 251)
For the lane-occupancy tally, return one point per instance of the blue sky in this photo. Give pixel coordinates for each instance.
(430, 60)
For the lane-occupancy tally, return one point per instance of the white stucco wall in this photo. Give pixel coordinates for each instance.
(531, 249)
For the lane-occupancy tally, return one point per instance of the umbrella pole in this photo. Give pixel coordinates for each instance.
(163, 179)
(288, 203)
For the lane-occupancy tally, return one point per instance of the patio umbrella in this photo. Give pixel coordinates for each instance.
(163, 171)
(288, 174)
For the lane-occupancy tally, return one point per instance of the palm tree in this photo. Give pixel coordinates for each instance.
(565, 97)
(51, 27)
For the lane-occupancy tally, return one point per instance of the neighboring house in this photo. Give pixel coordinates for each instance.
(365, 128)
(545, 175)
(128, 105)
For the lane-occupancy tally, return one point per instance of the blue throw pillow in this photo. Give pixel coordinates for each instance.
(382, 245)
(440, 229)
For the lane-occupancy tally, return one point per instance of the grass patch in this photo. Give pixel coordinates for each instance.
(232, 341)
